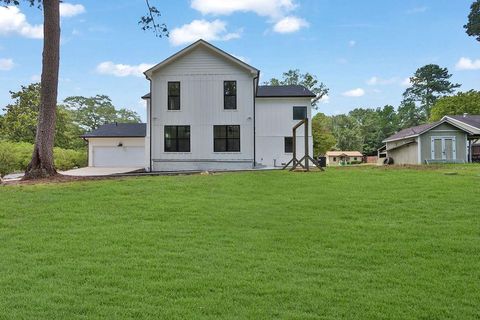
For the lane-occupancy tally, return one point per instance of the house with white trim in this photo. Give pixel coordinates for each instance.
(450, 140)
(206, 111)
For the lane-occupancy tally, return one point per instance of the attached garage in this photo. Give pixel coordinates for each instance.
(117, 145)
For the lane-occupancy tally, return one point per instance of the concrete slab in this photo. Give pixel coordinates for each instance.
(98, 171)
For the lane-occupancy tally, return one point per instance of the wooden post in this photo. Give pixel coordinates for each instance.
(306, 145)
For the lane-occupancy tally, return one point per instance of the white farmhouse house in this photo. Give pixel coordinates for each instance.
(206, 111)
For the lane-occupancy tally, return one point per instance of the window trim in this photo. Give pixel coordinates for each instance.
(297, 107)
(177, 139)
(227, 138)
(230, 95)
(179, 95)
(285, 145)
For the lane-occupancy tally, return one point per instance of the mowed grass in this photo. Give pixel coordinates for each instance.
(359, 243)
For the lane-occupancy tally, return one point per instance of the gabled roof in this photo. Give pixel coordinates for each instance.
(412, 132)
(146, 96)
(205, 44)
(418, 130)
(468, 122)
(284, 91)
(344, 153)
(118, 130)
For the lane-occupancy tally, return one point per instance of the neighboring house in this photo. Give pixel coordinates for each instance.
(447, 140)
(207, 111)
(343, 157)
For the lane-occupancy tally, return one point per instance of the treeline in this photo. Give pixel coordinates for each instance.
(75, 116)
(430, 97)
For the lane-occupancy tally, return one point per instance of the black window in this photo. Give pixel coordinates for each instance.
(288, 144)
(299, 113)
(177, 139)
(334, 158)
(226, 138)
(174, 96)
(230, 95)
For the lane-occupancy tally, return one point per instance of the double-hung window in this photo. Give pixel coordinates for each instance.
(299, 113)
(288, 144)
(177, 139)
(174, 95)
(230, 95)
(226, 138)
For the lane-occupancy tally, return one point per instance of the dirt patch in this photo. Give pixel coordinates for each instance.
(59, 178)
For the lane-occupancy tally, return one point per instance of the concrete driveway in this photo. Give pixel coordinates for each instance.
(98, 171)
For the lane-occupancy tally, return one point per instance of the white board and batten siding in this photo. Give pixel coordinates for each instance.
(274, 119)
(201, 74)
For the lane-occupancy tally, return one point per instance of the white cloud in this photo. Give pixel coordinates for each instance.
(6, 64)
(468, 64)
(359, 92)
(202, 29)
(406, 82)
(325, 99)
(70, 10)
(122, 70)
(352, 43)
(417, 10)
(289, 24)
(35, 78)
(373, 81)
(268, 8)
(13, 21)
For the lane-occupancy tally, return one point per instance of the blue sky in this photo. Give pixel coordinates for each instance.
(362, 50)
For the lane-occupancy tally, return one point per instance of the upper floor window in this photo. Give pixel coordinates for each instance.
(288, 144)
(230, 95)
(299, 113)
(226, 138)
(174, 95)
(177, 139)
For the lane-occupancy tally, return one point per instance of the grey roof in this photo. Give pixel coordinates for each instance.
(276, 92)
(112, 130)
(284, 91)
(472, 120)
(413, 131)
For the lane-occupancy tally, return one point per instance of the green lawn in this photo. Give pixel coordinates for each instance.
(351, 243)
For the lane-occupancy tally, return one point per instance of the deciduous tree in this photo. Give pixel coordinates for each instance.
(309, 81)
(462, 102)
(92, 112)
(323, 139)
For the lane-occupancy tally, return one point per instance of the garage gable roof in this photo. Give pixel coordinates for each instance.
(118, 130)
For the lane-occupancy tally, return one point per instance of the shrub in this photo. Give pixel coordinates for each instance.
(356, 162)
(15, 156)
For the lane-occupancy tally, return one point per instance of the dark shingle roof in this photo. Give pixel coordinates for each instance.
(112, 130)
(472, 120)
(284, 91)
(413, 131)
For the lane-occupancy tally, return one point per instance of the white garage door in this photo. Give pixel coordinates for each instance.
(118, 156)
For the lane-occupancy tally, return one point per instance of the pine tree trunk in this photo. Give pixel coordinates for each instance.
(42, 164)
